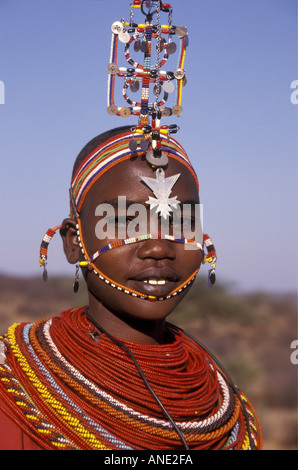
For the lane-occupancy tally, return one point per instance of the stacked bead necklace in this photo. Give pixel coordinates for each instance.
(76, 389)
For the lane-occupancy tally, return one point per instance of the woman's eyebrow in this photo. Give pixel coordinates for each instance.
(128, 202)
(191, 202)
(115, 202)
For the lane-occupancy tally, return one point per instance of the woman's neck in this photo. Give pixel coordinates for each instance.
(125, 327)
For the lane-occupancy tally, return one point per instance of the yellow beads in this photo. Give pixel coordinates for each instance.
(245, 444)
(84, 264)
(50, 400)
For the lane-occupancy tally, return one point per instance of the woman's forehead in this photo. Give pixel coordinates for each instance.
(126, 179)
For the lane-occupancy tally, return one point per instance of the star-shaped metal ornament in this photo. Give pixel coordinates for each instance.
(162, 188)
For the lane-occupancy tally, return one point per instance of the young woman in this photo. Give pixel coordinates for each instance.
(115, 375)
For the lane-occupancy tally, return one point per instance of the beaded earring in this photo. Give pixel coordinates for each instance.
(43, 253)
(76, 284)
(211, 258)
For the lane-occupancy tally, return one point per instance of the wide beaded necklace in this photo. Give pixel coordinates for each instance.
(73, 388)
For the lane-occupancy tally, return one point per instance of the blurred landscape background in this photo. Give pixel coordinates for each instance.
(251, 335)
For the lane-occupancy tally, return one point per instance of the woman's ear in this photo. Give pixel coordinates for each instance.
(70, 240)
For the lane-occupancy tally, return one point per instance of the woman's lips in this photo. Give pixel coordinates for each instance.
(156, 288)
(157, 283)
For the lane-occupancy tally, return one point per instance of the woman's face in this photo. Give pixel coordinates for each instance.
(154, 267)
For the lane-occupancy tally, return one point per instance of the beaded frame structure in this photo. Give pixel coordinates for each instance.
(141, 76)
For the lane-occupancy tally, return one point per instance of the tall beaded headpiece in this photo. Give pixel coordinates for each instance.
(147, 37)
(138, 77)
(158, 43)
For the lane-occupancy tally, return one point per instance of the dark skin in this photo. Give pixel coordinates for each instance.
(122, 315)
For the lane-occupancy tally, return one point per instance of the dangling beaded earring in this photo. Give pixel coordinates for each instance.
(211, 258)
(211, 277)
(43, 253)
(76, 283)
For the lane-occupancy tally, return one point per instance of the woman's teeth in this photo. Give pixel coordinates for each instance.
(156, 282)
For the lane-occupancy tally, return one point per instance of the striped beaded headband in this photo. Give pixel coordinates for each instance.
(114, 151)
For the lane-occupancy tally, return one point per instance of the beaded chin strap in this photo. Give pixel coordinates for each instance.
(89, 264)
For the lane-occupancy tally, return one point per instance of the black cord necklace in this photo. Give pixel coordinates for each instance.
(142, 375)
(121, 345)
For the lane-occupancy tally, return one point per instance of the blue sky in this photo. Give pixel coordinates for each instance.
(239, 125)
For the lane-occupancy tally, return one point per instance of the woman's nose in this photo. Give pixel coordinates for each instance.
(157, 249)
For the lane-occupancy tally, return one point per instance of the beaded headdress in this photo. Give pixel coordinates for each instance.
(140, 78)
(148, 136)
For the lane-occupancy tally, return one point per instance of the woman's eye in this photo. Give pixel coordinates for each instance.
(122, 221)
(184, 222)
(189, 222)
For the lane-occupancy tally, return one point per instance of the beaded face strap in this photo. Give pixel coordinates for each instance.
(141, 238)
(89, 264)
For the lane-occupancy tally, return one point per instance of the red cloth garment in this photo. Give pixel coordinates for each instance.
(12, 437)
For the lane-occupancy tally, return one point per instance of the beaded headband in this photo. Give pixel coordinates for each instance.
(148, 137)
(112, 152)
